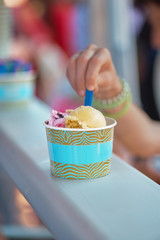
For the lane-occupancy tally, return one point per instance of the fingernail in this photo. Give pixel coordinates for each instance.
(90, 88)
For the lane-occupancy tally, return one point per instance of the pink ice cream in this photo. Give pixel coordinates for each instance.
(56, 119)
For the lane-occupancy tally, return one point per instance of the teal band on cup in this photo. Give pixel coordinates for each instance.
(85, 154)
(16, 91)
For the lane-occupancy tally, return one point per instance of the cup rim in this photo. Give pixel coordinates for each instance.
(82, 129)
(27, 76)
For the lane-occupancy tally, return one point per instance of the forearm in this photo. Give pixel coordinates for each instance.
(156, 130)
(139, 133)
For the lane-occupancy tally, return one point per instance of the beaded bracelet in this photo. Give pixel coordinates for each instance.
(123, 97)
(122, 112)
(113, 102)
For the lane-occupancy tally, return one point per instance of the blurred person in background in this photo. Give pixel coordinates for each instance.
(148, 45)
(148, 42)
(136, 132)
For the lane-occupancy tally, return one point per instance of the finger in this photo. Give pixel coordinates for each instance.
(81, 67)
(104, 80)
(96, 90)
(71, 70)
(105, 83)
(99, 62)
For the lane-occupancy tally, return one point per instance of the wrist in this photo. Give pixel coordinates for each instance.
(118, 89)
(113, 91)
(118, 105)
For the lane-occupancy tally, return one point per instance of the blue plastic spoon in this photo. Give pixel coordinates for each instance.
(88, 98)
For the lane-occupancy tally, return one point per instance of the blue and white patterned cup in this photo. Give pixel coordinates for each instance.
(16, 87)
(80, 153)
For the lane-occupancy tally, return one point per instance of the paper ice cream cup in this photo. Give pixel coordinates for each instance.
(16, 87)
(80, 153)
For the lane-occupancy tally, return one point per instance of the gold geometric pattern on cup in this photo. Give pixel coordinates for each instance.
(83, 171)
(78, 138)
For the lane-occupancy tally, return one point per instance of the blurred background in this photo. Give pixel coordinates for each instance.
(46, 33)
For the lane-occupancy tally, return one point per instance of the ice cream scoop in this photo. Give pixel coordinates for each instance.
(56, 119)
(84, 117)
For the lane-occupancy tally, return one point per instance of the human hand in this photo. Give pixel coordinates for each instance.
(93, 69)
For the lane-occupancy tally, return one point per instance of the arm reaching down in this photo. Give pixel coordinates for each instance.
(93, 69)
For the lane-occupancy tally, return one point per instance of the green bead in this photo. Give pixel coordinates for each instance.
(122, 112)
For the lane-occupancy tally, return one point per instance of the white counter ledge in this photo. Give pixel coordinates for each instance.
(123, 205)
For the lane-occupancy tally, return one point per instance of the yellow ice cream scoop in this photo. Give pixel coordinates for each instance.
(84, 117)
